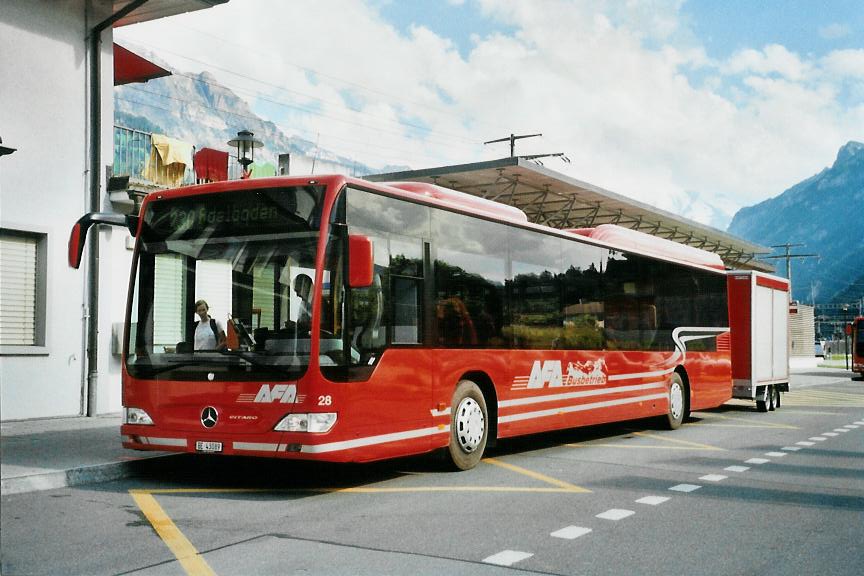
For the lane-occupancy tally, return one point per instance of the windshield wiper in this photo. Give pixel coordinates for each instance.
(201, 361)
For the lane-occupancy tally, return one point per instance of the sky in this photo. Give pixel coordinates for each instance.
(699, 107)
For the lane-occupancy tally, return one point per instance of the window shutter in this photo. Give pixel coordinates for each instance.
(18, 266)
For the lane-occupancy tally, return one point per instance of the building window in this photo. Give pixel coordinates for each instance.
(22, 289)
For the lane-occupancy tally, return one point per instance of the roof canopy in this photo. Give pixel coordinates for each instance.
(154, 9)
(556, 200)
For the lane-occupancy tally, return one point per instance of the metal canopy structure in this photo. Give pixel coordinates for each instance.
(558, 201)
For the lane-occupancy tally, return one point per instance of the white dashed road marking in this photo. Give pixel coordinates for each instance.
(507, 557)
(510, 557)
(684, 488)
(570, 532)
(615, 514)
(652, 500)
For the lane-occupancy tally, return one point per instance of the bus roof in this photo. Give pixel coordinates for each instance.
(610, 235)
(628, 239)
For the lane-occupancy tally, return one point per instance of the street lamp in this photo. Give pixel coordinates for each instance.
(245, 143)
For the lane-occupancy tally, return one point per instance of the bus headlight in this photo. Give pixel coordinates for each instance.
(313, 422)
(136, 416)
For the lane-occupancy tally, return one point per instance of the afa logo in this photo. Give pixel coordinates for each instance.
(549, 373)
(283, 393)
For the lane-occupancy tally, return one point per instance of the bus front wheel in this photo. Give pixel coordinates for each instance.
(469, 426)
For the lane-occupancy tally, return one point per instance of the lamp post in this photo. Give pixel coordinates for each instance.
(245, 143)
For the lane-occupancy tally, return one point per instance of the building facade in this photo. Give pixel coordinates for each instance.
(48, 84)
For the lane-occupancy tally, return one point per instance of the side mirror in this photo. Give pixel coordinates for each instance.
(78, 237)
(361, 262)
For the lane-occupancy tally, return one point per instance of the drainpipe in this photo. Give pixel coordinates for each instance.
(95, 169)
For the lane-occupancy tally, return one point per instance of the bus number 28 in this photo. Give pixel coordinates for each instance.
(325, 400)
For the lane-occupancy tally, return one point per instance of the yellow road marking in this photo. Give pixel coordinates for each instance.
(358, 490)
(684, 444)
(191, 561)
(537, 476)
(749, 422)
(463, 489)
(634, 446)
(712, 425)
(698, 445)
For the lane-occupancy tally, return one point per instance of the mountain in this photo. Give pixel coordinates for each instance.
(825, 214)
(197, 109)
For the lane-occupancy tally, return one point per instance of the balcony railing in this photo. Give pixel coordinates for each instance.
(134, 157)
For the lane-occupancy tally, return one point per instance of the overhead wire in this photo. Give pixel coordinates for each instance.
(267, 97)
(366, 144)
(393, 97)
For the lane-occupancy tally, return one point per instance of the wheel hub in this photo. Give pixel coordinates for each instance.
(470, 424)
(676, 400)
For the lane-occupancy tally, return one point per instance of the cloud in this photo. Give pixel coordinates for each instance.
(834, 31)
(609, 84)
(773, 59)
(845, 64)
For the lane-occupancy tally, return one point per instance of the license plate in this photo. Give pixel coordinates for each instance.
(208, 446)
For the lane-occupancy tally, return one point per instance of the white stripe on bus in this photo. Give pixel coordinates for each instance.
(580, 394)
(163, 441)
(372, 440)
(579, 408)
(419, 433)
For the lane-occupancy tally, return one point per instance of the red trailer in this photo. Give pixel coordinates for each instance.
(856, 331)
(759, 322)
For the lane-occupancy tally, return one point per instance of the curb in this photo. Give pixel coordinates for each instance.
(77, 476)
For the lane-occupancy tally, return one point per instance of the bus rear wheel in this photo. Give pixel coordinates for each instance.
(677, 402)
(469, 426)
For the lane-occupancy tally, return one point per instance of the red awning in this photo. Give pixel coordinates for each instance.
(129, 67)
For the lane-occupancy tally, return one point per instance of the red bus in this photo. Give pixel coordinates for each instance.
(857, 333)
(438, 321)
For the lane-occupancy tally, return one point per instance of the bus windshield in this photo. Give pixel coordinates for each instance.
(249, 256)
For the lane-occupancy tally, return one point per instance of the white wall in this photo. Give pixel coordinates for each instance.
(43, 188)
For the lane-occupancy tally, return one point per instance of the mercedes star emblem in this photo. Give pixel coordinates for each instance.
(209, 416)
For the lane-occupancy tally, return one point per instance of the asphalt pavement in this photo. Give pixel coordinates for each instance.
(51, 453)
(44, 454)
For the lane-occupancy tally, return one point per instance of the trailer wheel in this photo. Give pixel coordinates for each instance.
(677, 402)
(776, 390)
(762, 403)
(469, 426)
(772, 399)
